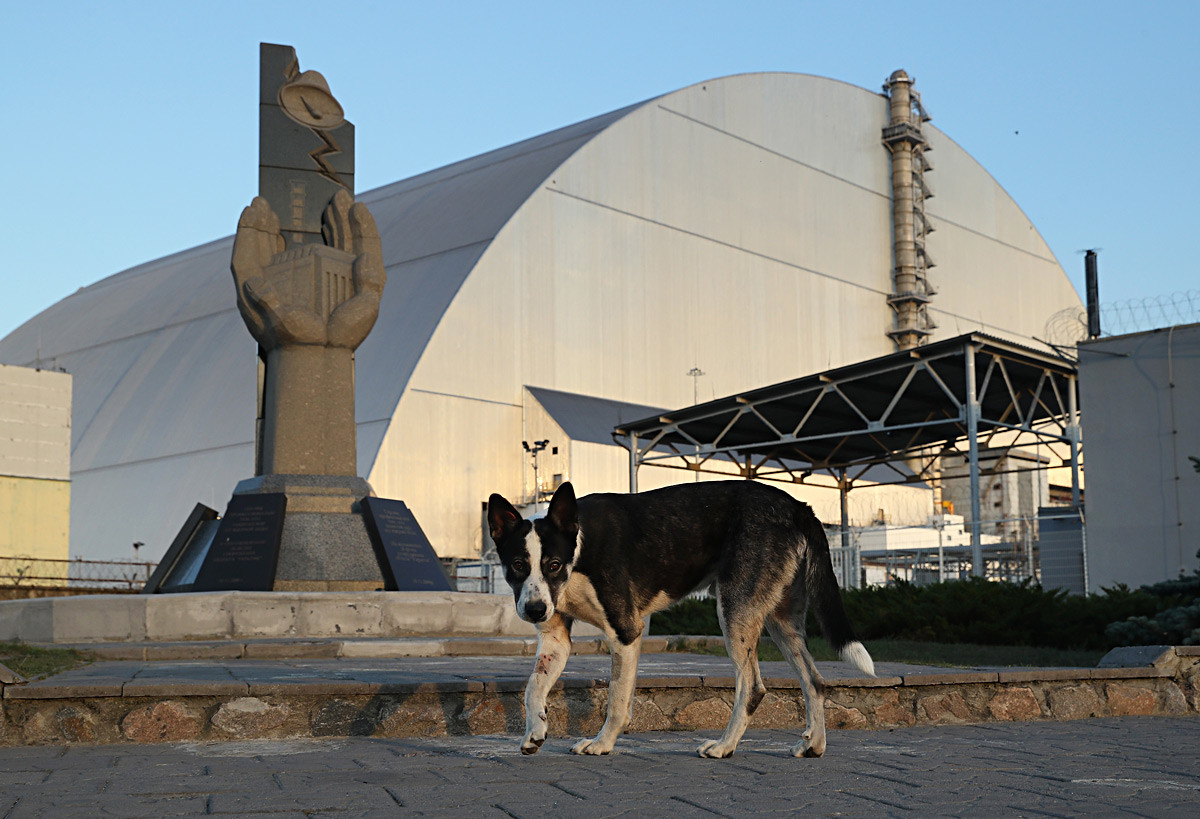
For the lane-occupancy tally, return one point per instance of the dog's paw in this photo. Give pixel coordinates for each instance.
(591, 747)
(530, 745)
(713, 749)
(810, 749)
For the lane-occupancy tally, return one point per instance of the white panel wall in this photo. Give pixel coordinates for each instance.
(35, 423)
(1140, 401)
(742, 226)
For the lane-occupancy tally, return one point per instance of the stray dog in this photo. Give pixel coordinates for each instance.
(612, 560)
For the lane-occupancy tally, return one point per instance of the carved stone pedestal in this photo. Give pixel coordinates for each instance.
(325, 544)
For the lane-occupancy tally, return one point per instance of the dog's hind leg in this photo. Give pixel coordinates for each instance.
(620, 696)
(783, 628)
(742, 629)
(554, 645)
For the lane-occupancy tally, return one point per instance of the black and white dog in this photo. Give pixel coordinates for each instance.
(612, 560)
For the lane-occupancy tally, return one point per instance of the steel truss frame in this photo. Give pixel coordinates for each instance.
(900, 412)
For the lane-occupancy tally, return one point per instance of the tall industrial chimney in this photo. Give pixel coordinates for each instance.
(911, 291)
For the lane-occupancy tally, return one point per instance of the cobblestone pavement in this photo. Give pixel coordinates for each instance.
(1131, 766)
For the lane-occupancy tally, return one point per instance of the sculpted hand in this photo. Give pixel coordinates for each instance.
(274, 322)
(350, 227)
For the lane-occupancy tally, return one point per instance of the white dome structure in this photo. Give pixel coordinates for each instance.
(719, 238)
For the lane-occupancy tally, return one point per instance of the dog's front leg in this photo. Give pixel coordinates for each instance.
(554, 645)
(620, 697)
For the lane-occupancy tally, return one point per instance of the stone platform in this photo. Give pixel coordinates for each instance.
(214, 697)
(228, 615)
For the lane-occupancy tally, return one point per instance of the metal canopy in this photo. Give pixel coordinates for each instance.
(907, 408)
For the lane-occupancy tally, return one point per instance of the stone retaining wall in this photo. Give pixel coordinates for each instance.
(174, 710)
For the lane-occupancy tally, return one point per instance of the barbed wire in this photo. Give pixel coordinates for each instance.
(1068, 327)
(1151, 313)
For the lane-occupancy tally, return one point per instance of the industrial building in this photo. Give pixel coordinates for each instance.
(1140, 394)
(734, 234)
(35, 475)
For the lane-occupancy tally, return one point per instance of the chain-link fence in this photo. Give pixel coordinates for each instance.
(73, 574)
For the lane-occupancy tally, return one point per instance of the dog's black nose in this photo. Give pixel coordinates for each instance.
(536, 611)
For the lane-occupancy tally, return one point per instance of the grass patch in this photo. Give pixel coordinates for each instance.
(947, 655)
(35, 663)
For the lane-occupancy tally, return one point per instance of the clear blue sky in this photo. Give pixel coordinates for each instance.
(137, 134)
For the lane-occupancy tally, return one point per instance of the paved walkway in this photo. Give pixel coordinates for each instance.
(1131, 766)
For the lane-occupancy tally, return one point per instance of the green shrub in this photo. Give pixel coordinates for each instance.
(1176, 621)
(964, 611)
(688, 616)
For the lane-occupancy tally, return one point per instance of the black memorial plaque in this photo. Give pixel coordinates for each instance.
(405, 555)
(246, 547)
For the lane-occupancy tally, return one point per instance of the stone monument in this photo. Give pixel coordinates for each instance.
(308, 268)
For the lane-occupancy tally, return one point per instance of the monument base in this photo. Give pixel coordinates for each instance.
(325, 545)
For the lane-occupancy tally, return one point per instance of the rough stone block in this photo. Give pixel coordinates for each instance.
(950, 707)
(166, 721)
(839, 716)
(247, 717)
(1173, 700)
(1014, 704)
(892, 710)
(775, 712)
(1129, 701)
(1074, 702)
(709, 714)
(647, 716)
(77, 723)
(339, 718)
(421, 715)
(485, 714)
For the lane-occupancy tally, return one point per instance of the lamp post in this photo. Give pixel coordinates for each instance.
(537, 447)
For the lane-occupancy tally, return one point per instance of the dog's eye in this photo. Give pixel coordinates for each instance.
(554, 565)
(518, 565)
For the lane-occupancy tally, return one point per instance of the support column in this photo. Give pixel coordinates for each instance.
(844, 491)
(972, 409)
(1073, 435)
(633, 462)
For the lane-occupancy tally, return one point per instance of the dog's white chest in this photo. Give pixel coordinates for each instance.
(579, 600)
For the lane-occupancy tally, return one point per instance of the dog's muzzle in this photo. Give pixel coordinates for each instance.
(535, 611)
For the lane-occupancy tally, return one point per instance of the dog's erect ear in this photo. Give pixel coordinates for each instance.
(563, 512)
(502, 517)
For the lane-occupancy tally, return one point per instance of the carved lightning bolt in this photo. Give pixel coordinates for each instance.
(320, 154)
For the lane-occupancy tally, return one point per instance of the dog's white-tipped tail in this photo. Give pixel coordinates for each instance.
(856, 654)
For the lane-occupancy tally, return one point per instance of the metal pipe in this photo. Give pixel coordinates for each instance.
(1092, 277)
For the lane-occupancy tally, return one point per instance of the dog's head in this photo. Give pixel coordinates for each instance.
(538, 555)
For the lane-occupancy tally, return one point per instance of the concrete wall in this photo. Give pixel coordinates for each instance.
(1140, 402)
(35, 469)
